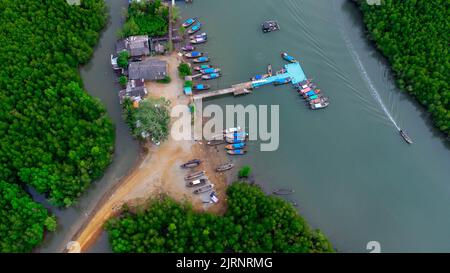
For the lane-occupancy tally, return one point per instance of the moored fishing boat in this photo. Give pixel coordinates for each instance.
(211, 76)
(210, 70)
(225, 167)
(200, 87)
(199, 40)
(319, 100)
(237, 134)
(288, 58)
(260, 77)
(203, 59)
(201, 67)
(320, 105)
(196, 182)
(236, 152)
(188, 48)
(197, 36)
(235, 146)
(204, 189)
(194, 175)
(193, 54)
(189, 22)
(234, 140)
(191, 163)
(405, 136)
(195, 28)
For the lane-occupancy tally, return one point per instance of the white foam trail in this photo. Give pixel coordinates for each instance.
(366, 77)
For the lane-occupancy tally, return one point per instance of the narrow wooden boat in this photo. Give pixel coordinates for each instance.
(203, 189)
(189, 22)
(288, 58)
(201, 67)
(238, 134)
(211, 76)
(259, 77)
(320, 105)
(215, 142)
(196, 182)
(188, 48)
(199, 40)
(319, 100)
(405, 137)
(197, 36)
(234, 140)
(235, 146)
(200, 87)
(283, 191)
(210, 71)
(191, 163)
(236, 152)
(194, 175)
(193, 54)
(225, 167)
(195, 28)
(269, 26)
(203, 59)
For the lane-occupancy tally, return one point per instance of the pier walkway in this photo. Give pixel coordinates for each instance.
(237, 89)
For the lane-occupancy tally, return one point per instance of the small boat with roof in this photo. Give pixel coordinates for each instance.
(188, 48)
(197, 182)
(288, 58)
(235, 146)
(211, 76)
(195, 28)
(199, 40)
(210, 70)
(201, 87)
(197, 36)
(232, 130)
(202, 59)
(193, 54)
(189, 22)
(202, 67)
(320, 105)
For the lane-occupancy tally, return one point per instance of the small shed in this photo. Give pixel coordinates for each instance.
(188, 90)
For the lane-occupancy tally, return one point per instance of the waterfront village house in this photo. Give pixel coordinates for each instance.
(148, 70)
(135, 90)
(137, 46)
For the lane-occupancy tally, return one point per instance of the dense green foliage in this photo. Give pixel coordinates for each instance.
(150, 120)
(254, 222)
(123, 80)
(166, 80)
(56, 138)
(415, 36)
(122, 59)
(244, 172)
(184, 70)
(22, 221)
(146, 18)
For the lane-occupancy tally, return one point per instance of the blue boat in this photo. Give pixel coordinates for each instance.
(201, 60)
(193, 54)
(236, 152)
(235, 146)
(282, 81)
(235, 140)
(211, 76)
(288, 58)
(189, 22)
(210, 70)
(312, 97)
(195, 28)
(310, 93)
(200, 87)
(202, 67)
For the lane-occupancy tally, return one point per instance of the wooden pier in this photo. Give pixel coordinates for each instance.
(236, 90)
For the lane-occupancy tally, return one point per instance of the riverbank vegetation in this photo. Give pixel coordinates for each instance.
(23, 221)
(184, 70)
(55, 137)
(150, 120)
(146, 18)
(253, 223)
(414, 36)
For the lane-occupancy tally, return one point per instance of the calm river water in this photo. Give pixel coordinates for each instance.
(354, 177)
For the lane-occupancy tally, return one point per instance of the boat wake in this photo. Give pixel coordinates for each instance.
(374, 92)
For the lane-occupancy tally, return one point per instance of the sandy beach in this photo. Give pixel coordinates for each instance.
(159, 170)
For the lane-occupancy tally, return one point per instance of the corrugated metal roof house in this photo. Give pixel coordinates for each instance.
(149, 70)
(135, 45)
(135, 91)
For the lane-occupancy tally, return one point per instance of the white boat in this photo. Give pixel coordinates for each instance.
(232, 130)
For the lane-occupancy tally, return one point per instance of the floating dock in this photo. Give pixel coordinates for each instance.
(237, 89)
(293, 71)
